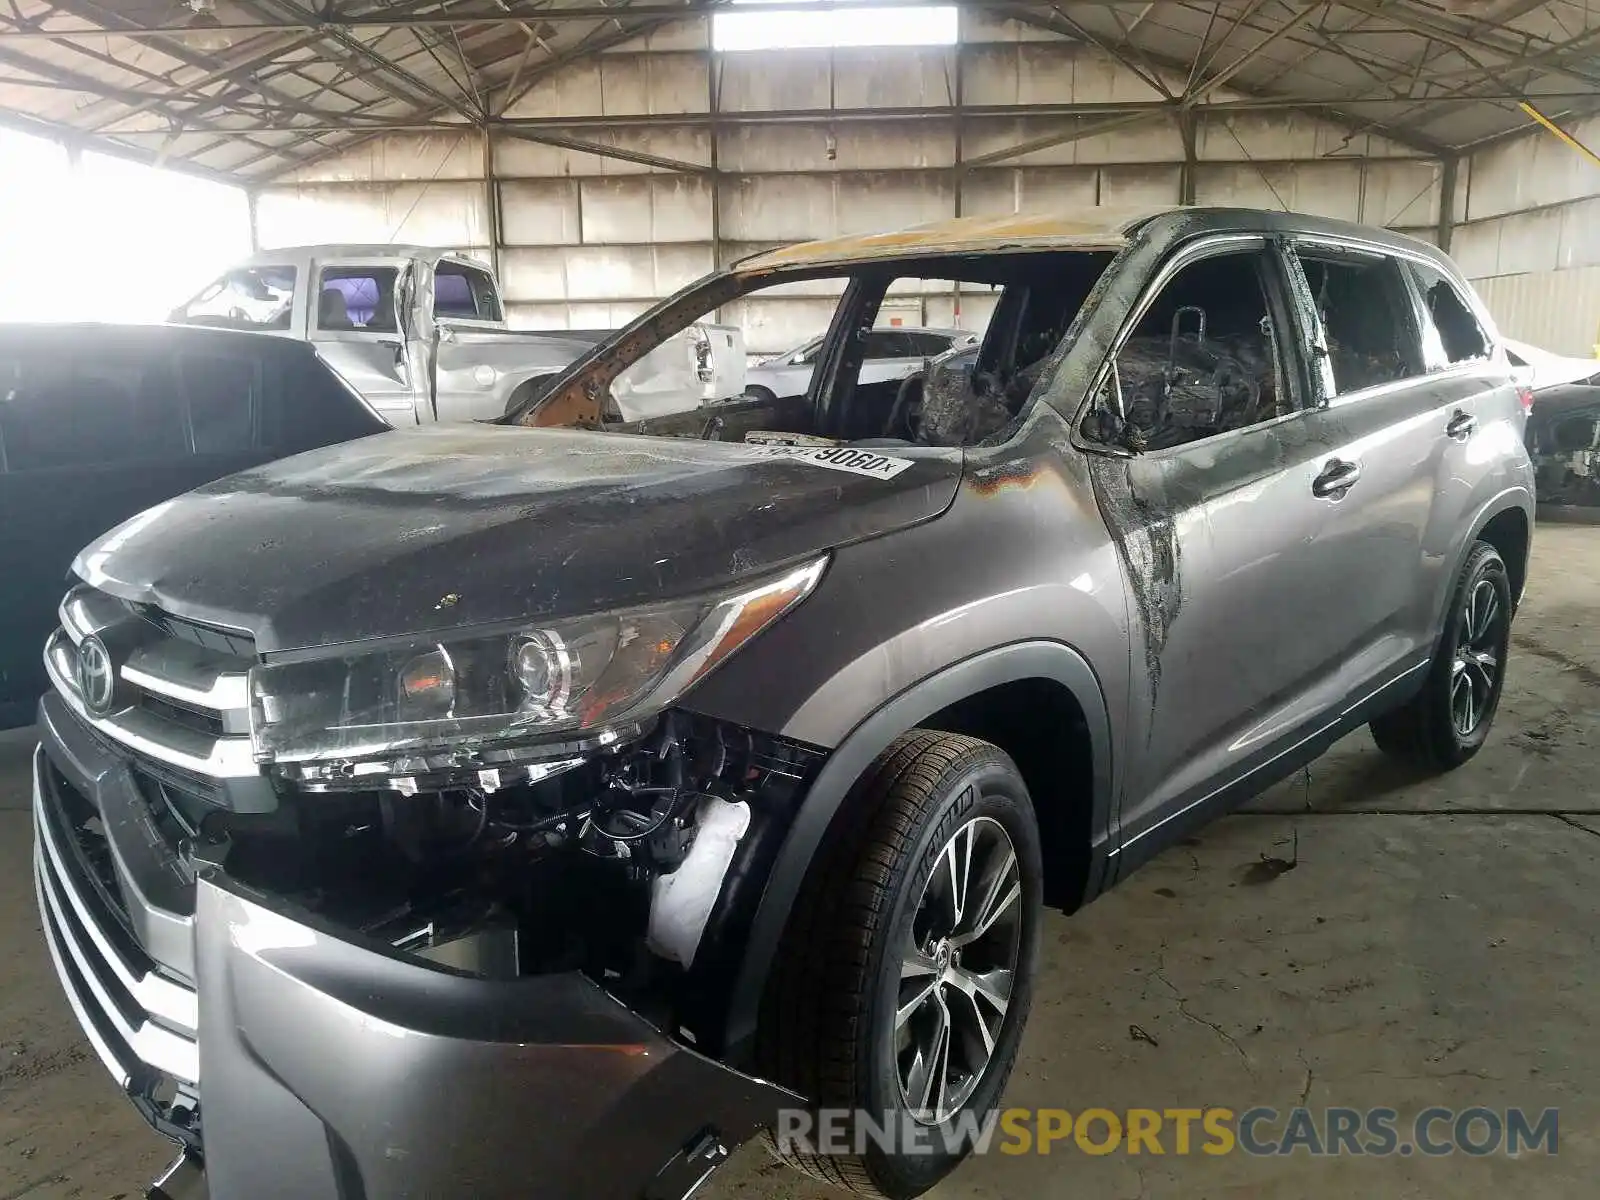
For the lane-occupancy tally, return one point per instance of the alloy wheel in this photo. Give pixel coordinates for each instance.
(957, 970)
(1475, 671)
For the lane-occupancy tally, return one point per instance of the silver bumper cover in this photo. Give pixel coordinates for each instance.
(322, 1068)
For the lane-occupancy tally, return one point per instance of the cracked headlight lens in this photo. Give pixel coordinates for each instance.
(470, 689)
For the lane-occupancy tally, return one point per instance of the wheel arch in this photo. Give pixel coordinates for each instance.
(1046, 671)
(1510, 531)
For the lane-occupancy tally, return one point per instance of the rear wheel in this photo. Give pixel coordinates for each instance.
(1447, 722)
(907, 969)
(759, 394)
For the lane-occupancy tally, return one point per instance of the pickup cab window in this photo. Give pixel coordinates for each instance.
(464, 293)
(243, 298)
(357, 298)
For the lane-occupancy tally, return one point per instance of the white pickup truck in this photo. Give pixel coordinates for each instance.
(421, 333)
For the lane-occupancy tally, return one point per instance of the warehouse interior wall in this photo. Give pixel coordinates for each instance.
(713, 155)
(1528, 235)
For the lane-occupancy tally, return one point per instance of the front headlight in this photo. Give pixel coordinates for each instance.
(471, 691)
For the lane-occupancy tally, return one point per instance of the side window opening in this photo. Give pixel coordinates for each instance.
(1461, 337)
(1205, 358)
(464, 293)
(1028, 300)
(1361, 300)
(357, 298)
(888, 343)
(956, 401)
(928, 344)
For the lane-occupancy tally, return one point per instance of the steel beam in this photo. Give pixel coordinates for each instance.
(1204, 87)
(355, 123)
(1465, 43)
(70, 137)
(510, 15)
(1447, 202)
(1075, 134)
(602, 150)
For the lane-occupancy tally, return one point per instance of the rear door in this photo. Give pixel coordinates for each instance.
(1396, 425)
(1478, 408)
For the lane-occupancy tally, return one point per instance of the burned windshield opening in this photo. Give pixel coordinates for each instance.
(937, 351)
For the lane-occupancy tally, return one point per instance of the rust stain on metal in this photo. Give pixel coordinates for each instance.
(1020, 473)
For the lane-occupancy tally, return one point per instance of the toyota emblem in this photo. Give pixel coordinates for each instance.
(97, 681)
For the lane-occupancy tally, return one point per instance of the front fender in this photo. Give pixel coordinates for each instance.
(1005, 664)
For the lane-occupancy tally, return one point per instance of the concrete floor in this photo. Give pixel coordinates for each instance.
(1435, 944)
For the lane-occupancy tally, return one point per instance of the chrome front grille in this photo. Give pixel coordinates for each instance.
(186, 701)
(142, 1023)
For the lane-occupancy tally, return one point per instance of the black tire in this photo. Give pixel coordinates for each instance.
(1425, 732)
(760, 394)
(828, 1024)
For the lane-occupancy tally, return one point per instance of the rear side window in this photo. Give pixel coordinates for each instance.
(464, 293)
(1461, 337)
(928, 344)
(223, 396)
(57, 411)
(885, 343)
(1366, 318)
(351, 298)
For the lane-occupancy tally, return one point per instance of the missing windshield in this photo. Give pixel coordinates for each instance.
(936, 351)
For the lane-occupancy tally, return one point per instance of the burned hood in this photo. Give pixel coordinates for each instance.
(437, 528)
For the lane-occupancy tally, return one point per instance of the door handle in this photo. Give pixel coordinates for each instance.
(1462, 426)
(1337, 478)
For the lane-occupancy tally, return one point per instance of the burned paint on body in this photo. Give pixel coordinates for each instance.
(518, 524)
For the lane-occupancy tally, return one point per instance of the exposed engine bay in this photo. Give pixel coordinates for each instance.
(1564, 439)
(628, 864)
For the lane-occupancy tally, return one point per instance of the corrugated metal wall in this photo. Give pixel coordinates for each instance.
(589, 241)
(1530, 237)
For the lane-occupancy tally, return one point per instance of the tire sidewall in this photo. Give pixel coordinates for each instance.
(989, 788)
(1484, 564)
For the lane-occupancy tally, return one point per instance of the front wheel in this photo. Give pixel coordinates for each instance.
(1447, 722)
(907, 969)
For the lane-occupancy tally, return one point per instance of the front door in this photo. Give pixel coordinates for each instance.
(356, 326)
(1217, 517)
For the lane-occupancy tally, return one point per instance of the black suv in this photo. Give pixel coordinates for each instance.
(476, 808)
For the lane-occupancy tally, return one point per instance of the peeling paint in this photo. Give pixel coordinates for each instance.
(1083, 229)
(1144, 531)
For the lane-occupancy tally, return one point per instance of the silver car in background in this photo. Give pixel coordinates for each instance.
(891, 354)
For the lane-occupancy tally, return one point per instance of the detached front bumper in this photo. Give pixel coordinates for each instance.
(323, 1068)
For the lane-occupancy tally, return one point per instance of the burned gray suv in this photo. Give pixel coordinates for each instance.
(548, 806)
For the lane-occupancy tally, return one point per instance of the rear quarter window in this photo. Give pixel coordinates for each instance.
(1455, 334)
